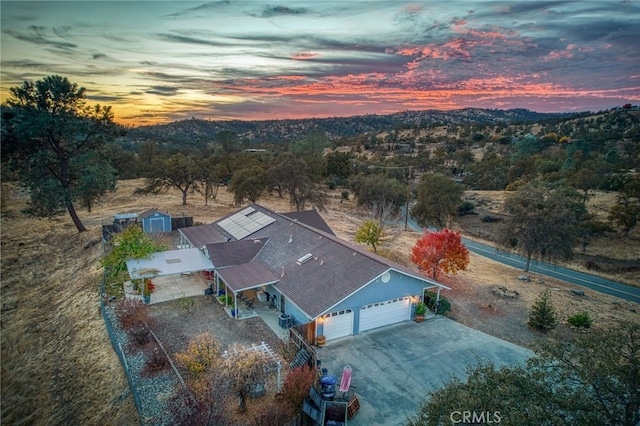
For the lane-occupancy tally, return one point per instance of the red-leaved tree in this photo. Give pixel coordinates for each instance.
(440, 251)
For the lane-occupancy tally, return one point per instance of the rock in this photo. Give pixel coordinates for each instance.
(504, 291)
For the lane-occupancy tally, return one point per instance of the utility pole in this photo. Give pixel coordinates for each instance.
(406, 213)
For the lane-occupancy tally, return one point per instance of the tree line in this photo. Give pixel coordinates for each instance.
(69, 153)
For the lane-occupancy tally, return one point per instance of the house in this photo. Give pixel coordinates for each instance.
(154, 220)
(334, 287)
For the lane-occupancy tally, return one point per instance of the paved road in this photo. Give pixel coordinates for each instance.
(591, 282)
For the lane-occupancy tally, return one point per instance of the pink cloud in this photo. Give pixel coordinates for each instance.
(301, 56)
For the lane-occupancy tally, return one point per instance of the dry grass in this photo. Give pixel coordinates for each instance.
(612, 252)
(57, 362)
(58, 366)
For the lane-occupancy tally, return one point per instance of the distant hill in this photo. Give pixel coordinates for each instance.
(195, 131)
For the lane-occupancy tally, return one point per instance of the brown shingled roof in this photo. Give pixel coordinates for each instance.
(311, 218)
(335, 270)
(246, 276)
(200, 235)
(234, 252)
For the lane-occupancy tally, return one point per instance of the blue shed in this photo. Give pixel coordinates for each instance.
(154, 221)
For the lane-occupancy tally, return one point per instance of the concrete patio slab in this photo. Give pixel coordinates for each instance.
(171, 287)
(394, 367)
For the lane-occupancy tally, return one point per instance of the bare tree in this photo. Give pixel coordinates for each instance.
(246, 369)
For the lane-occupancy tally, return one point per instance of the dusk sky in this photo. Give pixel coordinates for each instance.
(164, 61)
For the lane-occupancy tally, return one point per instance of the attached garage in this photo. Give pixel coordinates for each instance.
(338, 324)
(385, 313)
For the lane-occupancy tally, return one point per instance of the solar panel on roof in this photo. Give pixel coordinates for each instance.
(262, 219)
(224, 222)
(245, 223)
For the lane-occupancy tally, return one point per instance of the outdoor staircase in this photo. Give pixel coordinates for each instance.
(302, 358)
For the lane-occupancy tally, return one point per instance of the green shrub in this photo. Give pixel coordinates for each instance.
(466, 208)
(430, 298)
(580, 320)
(226, 299)
(542, 316)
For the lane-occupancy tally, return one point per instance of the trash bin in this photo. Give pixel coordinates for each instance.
(283, 320)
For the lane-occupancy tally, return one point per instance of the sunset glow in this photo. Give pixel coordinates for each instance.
(157, 62)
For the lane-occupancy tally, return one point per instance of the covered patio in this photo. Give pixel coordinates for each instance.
(174, 273)
(246, 284)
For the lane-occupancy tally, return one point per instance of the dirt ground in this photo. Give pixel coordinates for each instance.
(58, 365)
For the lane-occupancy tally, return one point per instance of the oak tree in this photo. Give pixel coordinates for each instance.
(54, 142)
(626, 212)
(248, 183)
(438, 200)
(440, 251)
(544, 221)
(179, 171)
(377, 191)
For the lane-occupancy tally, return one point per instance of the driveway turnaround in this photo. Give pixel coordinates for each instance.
(394, 367)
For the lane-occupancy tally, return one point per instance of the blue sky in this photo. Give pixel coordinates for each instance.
(164, 61)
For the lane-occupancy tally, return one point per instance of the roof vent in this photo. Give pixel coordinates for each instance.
(256, 241)
(282, 274)
(290, 238)
(304, 258)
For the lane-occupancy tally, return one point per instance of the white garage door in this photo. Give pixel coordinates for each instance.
(338, 324)
(385, 313)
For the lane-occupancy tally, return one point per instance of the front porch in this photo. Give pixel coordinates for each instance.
(260, 307)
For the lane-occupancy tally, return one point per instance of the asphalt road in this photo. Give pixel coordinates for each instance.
(591, 282)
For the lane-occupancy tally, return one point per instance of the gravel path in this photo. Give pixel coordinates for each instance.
(154, 390)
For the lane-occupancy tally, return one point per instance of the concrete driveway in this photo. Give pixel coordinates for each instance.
(394, 367)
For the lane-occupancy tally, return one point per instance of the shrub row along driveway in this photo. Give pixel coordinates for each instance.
(394, 367)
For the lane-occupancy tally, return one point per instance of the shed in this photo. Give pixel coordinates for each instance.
(125, 219)
(154, 221)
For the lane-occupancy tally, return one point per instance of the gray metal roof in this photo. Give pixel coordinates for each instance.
(121, 216)
(169, 263)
